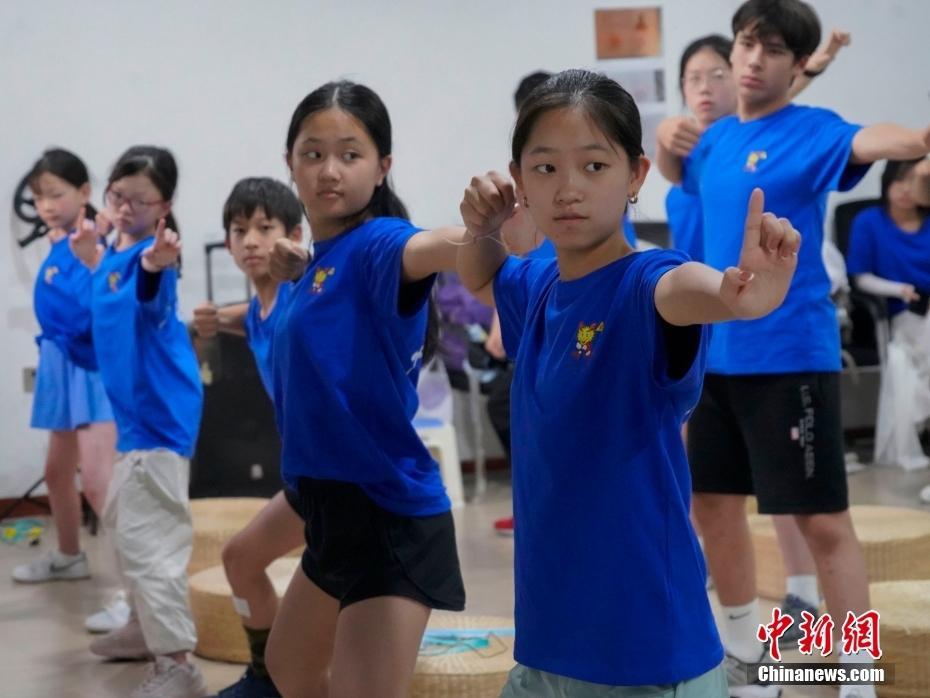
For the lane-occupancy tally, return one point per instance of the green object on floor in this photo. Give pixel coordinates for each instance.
(21, 530)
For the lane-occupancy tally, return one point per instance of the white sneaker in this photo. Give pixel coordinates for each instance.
(925, 495)
(51, 567)
(170, 679)
(113, 616)
(857, 692)
(738, 680)
(124, 643)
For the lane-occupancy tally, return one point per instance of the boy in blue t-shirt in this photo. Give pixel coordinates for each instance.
(789, 452)
(258, 212)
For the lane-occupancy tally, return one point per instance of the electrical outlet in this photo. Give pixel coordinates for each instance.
(29, 379)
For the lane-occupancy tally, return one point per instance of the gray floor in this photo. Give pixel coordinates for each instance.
(44, 648)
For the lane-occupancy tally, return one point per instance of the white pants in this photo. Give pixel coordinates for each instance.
(148, 516)
(904, 399)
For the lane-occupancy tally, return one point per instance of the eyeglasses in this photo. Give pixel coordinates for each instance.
(714, 77)
(116, 200)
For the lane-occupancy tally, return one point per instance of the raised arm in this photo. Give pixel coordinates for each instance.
(695, 294)
(488, 201)
(164, 252)
(889, 142)
(819, 60)
(676, 138)
(431, 251)
(229, 319)
(85, 241)
(922, 183)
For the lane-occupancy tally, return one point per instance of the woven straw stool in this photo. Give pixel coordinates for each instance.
(216, 520)
(464, 656)
(219, 628)
(904, 630)
(895, 542)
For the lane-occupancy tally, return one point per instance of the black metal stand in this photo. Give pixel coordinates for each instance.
(27, 497)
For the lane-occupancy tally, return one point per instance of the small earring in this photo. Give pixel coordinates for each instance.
(633, 199)
(526, 204)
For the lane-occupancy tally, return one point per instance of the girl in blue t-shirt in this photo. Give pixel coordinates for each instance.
(609, 350)
(151, 376)
(889, 245)
(69, 399)
(889, 256)
(346, 354)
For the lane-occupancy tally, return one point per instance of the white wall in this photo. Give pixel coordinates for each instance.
(216, 81)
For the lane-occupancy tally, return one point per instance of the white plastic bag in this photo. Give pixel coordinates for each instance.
(904, 397)
(435, 393)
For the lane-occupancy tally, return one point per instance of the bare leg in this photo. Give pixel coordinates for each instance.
(840, 564)
(794, 551)
(381, 663)
(274, 532)
(300, 646)
(63, 498)
(97, 447)
(727, 545)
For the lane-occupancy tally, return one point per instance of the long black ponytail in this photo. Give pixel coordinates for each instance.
(365, 105)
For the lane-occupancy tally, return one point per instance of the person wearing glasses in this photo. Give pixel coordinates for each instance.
(151, 376)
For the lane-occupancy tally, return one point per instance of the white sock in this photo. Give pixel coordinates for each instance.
(61, 558)
(804, 586)
(740, 625)
(861, 657)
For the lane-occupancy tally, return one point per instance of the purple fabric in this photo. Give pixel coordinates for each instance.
(457, 308)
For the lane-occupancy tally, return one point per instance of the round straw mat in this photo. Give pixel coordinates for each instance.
(219, 628)
(895, 542)
(904, 632)
(216, 520)
(464, 656)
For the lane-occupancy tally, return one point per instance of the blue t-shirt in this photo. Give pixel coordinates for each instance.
(546, 249)
(347, 353)
(61, 299)
(797, 155)
(145, 355)
(878, 246)
(684, 222)
(617, 596)
(259, 333)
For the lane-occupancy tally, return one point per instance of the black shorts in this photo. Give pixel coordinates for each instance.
(293, 498)
(776, 436)
(356, 550)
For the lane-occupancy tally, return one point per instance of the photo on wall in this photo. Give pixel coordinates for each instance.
(628, 32)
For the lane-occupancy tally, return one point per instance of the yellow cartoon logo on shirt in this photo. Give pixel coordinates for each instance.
(113, 280)
(755, 157)
(50, 274)
(584, 338)
(319, 278)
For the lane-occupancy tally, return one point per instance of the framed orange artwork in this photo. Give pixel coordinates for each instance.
(628, 33)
